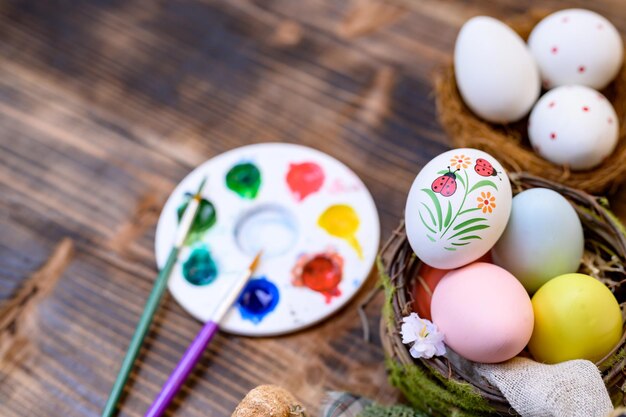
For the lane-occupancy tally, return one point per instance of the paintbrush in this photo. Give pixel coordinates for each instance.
(199, 344)
(152, 303)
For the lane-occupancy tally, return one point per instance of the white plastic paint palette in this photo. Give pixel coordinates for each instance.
(313, 218)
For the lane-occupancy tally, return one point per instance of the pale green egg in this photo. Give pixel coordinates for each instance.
(542, 240)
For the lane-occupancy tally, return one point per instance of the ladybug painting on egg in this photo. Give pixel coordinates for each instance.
(445, 184)
(485, 169)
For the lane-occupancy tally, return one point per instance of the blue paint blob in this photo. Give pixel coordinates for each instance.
(259, 298)
(200, 267)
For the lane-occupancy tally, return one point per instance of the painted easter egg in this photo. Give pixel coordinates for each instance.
(484, 313)
(457, 208)
(495, 73)
(543, 238)
(576, 46)
(574, 126)
(425, 283)
(576, 317)
(424, 286)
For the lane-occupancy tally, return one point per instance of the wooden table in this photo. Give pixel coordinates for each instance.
(106, 105)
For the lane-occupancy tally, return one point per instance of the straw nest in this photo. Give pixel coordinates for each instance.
(510, 144)
(444, 388)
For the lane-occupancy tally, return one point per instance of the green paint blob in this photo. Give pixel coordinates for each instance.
(205, 218)
(200, 268)
(244, 179)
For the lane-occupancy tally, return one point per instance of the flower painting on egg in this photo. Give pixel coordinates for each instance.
(458, 224)
(457, 208)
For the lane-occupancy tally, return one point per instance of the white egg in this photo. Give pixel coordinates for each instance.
(574, 126)
(457, 208)
(576, 46)
(495, 73)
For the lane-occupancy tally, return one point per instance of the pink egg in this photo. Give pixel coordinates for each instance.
(484, 313)
(426, 282)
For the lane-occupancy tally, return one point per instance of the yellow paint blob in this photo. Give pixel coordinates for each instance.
(342, 221)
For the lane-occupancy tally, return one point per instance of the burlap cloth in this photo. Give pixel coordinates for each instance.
(568, 389)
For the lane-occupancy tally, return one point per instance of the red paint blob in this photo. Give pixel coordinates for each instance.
(552, 104)
(581, 69)
(554, 50)
(553, 136)
(304, 179)
(585, 108)
(321, 273)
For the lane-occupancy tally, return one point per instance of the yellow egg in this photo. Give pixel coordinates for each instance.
(576, 317)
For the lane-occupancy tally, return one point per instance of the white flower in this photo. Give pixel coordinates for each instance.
(426, 338)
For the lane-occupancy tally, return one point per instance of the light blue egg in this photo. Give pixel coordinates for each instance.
(542, 240)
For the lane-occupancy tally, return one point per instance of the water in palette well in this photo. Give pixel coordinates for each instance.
(268, 228)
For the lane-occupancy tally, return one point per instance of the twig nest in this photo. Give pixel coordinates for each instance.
(509, 143)
(269, 401)
(450, 384)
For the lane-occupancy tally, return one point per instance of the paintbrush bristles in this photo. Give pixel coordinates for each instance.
(255, 262)
(198, 195)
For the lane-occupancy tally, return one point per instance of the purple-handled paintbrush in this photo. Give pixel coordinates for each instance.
(195, 350)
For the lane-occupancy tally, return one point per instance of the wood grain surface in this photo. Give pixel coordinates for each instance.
(106, 105)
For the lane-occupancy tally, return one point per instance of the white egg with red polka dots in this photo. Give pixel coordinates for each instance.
(576, 46)
(574, 126)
